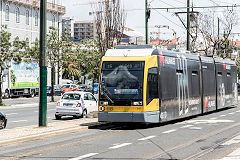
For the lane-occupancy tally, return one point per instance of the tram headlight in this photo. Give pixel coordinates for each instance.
(104, 103)
(101, 108)
(138, 103)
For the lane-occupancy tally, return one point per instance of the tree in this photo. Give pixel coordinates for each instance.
(9, 51)
(110, 20)
(209, 33)
(54, 45)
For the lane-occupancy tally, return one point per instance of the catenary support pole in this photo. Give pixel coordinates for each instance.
(43, 67)
(146, 20)
(188, 25)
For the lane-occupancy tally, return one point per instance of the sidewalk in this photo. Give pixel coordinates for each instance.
(20, 134)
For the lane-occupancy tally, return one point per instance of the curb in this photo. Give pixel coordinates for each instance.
(44, 134)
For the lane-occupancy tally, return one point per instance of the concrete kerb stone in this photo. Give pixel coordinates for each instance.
(21, 134)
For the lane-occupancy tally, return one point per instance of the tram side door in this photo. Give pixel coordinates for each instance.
(182, 87)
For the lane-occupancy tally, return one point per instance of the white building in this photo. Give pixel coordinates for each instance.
(22, 17)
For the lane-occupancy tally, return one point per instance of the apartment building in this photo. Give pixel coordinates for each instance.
(67, 28)
(22, 17)
(84, 30)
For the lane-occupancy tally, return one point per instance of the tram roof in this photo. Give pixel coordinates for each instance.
(149, 50)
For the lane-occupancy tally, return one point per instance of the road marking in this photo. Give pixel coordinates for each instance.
(9, 114)
(146, 138)
(232, 141)
(232, 113)
(213, 118)
(84, 156)
(195, 128)
(186, 126)
(119, 146)
(210, 121)
(234, 155)
(35, 111)
(169, 131)
(223, 115)
(238, 111)
(19, 121)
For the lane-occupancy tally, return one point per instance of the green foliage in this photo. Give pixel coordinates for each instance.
(9, 51)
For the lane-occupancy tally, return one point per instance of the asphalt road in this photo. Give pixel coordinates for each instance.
(24, 111)
(212, 136)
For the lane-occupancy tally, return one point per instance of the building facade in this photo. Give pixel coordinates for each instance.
(22, 17)
(67, 28)
(84, 30)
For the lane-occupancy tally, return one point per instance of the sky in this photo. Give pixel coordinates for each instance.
(79, 10)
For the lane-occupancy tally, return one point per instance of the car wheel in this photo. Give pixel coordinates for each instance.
(76, 117)
(2, 123)
(84, 114)
(6, 94)
(57, 117)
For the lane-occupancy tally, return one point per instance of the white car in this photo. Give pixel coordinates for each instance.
(76, 104)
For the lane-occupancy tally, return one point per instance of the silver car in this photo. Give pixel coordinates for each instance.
(76, 104)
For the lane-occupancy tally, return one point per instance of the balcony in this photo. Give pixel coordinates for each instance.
(36, 4)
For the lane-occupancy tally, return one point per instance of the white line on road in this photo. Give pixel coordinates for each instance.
(234, 155)
(195, 128)
(119, 146)
(19, 121)
(169, 131)
(9, 114)
(213, 118)
(146, 138)
(232, 113)
(187, 126)
(238, 111)
(223, 115)
(84, 156)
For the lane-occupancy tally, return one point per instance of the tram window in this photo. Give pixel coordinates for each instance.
(152, 84)
(195, 84)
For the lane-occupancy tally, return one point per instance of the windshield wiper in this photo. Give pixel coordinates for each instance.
(106, 94)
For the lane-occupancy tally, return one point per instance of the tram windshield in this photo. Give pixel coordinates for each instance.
(122, 82)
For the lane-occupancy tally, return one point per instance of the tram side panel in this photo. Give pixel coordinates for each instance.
(221, 91)
(178, 88)
(208, 85)
(231, 86)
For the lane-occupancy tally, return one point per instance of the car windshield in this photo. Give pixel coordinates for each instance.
(66, 86)
(71, 96)
(122, 81)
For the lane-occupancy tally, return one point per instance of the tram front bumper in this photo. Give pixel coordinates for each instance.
(146, 117)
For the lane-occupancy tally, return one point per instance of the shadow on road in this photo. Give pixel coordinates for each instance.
(135, 126)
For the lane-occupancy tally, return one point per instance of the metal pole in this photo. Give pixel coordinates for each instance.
(188, 25)
(146, 20)
(43, 67)
(218, 48)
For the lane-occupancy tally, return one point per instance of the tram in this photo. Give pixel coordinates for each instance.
(151, 85)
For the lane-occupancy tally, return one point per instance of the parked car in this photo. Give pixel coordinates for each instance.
(76, 104)
(95, 88)
(238, 86)
(57, 90)
(3, 120)
(69, 87)
(85, 88)
(66, 81)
